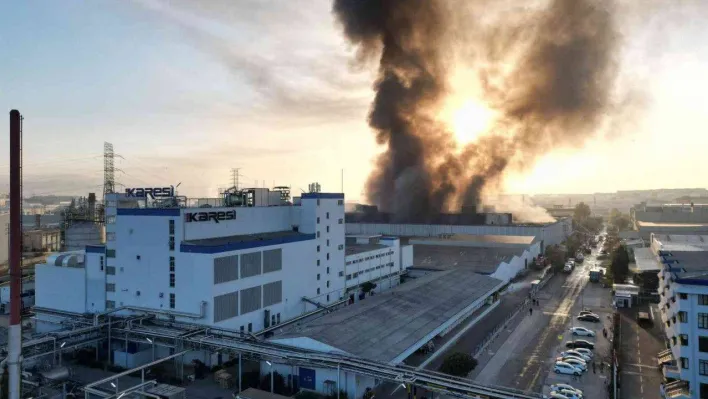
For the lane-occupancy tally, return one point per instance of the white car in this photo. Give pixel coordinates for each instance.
(576, 353)
(566, 368)
(556, 395)
(560, 387)
(565, 394)
(577, 363)
(566, 358)
(582, 331)
(585, 351)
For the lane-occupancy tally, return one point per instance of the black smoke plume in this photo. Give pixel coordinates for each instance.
(558, 92)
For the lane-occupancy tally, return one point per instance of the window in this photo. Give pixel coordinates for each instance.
(318, 276)
(327, 269)
(684, 363)
(341, 221)
(243, 329)
(703, 300)
(327, 297)
(172, 244)
(341, 274)
(684, 339)
(110, 287)
(111, 220)
(318, 234)
(318, 202)
(327, 283)
(110, 270)
(277, 318)
(703, 367)
(703, 320)
(318, 291)
(172, 301)
(683, 296)
(110, 236)
(683, 317)
(110, 304)
(102, 263)
(340, 247)
(172, 227)
(340, 202)
(328, 242)
(703, 344)
(327, 255)
(349, 276)
(272, 320)
(110, 253)
(172, 280)
(318, 262)
(327, 215)
(328, 229)
(318, 220)
(172, 264)
(250, 327)
(703, 391)
(318, 248)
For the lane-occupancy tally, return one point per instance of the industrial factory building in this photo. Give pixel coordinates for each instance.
(247, 267)
(678, 219)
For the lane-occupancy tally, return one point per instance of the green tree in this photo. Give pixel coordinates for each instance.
(619, 221)
(556, 257)
(458, 364)
(368, 286)
(582, 212)
(620, 264)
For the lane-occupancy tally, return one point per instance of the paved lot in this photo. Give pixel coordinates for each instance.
(640, 375)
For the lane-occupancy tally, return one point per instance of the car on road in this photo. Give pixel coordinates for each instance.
(555, 395)
(565, 394)
(576, 353)
(582, 331)
(566, 368)
(589, 317)
(565, 387)
(580, 343)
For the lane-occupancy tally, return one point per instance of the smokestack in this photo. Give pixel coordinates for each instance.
(15, 328)
(547, 74)
(91, 205)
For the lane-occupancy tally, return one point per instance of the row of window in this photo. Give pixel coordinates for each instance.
(247, 300)
(339, 202)
(233, 267)
(357, 274)
(369, 258)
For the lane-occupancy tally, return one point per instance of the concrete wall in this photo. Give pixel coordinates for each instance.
(60, 288)
(507, 271)
(406, 256)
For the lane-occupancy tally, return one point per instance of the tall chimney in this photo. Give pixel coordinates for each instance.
(15, 329)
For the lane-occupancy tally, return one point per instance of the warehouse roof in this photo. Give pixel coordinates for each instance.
(677, 225)
(479, 259)
(386, 325)
(681, 242)
(645, 260)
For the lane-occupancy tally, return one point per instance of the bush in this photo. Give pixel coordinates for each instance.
(458, 364)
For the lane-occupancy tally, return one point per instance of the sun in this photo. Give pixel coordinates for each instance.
(471, 119)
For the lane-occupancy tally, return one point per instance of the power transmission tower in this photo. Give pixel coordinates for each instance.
(109, 181)
(234, 177)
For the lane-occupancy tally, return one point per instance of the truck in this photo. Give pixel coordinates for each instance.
(596, 275)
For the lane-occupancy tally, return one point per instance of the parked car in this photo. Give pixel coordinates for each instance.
(557, 395)
(566, 368)
(576, 353)
(582, 331)
(580, 343)
(575, 362)
(585, 351)
(589, 317)
(568, 394)
(560, 387)
(567, 358)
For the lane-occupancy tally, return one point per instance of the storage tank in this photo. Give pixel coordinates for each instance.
(80, 234)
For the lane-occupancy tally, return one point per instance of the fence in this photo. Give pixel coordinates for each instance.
(492, 335)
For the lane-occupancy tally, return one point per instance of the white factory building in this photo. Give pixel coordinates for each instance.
(245, 267)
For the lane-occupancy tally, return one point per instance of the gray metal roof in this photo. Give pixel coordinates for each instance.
(478, 259)
(385, 325)
(645, 260)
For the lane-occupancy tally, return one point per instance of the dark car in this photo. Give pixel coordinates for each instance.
(580, 343)
(589, 317)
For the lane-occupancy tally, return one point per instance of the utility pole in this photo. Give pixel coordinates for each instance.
(234, 177)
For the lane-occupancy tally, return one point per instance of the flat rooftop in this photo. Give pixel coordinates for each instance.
(681, 242)
(477, 259)
(677, 225)
(353, 249)
(645, 260)
(384, 326)
(218, 241)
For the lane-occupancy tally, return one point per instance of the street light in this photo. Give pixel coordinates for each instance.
(148, 339)
(61, 347)
(271, 375)
(115, 386)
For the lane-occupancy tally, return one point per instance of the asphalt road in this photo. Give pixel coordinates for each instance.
(527, 353)
(640, 376)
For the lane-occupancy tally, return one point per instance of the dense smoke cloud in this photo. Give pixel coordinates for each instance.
(557, 92)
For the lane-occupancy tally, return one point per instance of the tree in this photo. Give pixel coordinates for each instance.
(367, 287)
(619, 220)
(582, 212)
(556, 257)
(458, 364)
(620, 264)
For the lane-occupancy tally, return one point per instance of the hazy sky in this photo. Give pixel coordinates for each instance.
(188, 91)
